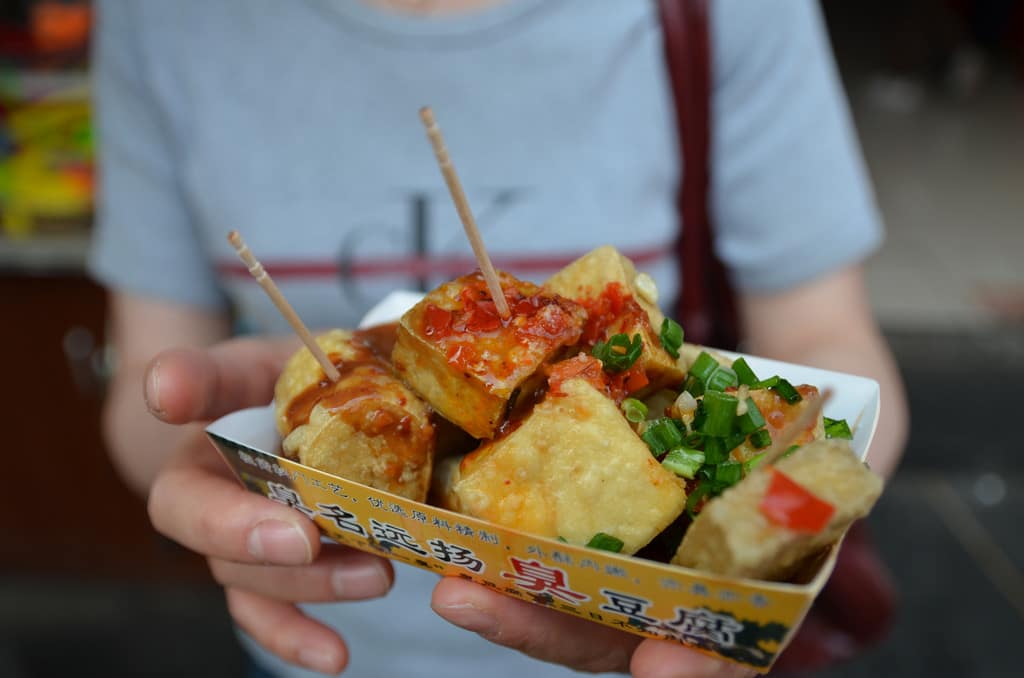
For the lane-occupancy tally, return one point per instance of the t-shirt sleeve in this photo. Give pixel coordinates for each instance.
(144, 241)
(790, 196)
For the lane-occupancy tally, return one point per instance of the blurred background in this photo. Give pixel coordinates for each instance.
(937, 91)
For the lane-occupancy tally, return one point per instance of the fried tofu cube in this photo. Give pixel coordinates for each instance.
(619, 300)
(467, 362)
(571, 469)
(732, 536)
(367, 426)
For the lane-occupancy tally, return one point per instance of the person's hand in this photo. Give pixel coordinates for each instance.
(563, 639)
(854, 611)
(267, 556)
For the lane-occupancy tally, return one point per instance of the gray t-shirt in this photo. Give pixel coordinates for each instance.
(295, 122)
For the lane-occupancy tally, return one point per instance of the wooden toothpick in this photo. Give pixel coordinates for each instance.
(462, 207)
(793, 430)
(267, 283)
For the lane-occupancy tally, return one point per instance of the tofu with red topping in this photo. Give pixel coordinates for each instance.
(572, 468)
(470, 364)
(766, 525)
(619, 301)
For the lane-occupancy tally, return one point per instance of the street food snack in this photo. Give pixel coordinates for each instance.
(582, 497)
(572, 469)
(366, 426)
(764, 526)
(470, 364)
(588, 419)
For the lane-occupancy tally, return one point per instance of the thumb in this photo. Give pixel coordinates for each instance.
(184, 385)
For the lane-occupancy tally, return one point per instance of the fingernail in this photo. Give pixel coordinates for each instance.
(280, 543)
(355, 582)
(695, 665)
(471, 618)
(151, 389)
(318, 660)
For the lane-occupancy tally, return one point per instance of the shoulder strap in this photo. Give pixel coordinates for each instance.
(706, 306)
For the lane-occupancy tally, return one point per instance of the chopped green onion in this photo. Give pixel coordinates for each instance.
(761, 439)
(789, 450)
(662, 435)
(634, 410)
(721, 413)
(751, 420)
(683, 461)
(703, 366)
(693, 386)
(780, 386)
(720, 379)
(699, 416)
(698, 493)
(733, 441)
(788, 393)
(605, 542)
(562, 539)
(619, 352)
(744, 374)
(714, 451)
(694, 440)
(752, 463)
(671, 336)
(728, 473)
(837, 428)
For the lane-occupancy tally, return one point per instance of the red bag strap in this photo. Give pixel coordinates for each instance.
(706, 307)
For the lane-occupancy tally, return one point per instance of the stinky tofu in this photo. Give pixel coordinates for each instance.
(572, 468)
(733, 536)
(457, 352)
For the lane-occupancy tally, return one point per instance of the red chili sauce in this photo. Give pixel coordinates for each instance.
(613, 310)
(476, 340)
(583, 366)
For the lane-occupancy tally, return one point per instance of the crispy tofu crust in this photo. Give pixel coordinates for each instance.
(454, 351)
(573, 468)
(731, 536)
(587, 279)
(367, 427)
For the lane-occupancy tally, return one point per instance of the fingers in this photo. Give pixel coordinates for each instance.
(571, 641)
(194, 502)
(536, 631)
(818, 644)
(190, 384)
(282, 629)
(666, 659)
(337, 574)
(853, 612)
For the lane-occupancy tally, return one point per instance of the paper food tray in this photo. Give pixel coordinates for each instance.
(743, 620)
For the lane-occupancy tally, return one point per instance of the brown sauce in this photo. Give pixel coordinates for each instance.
(379, 338)
(370, 400)
(301, 405)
